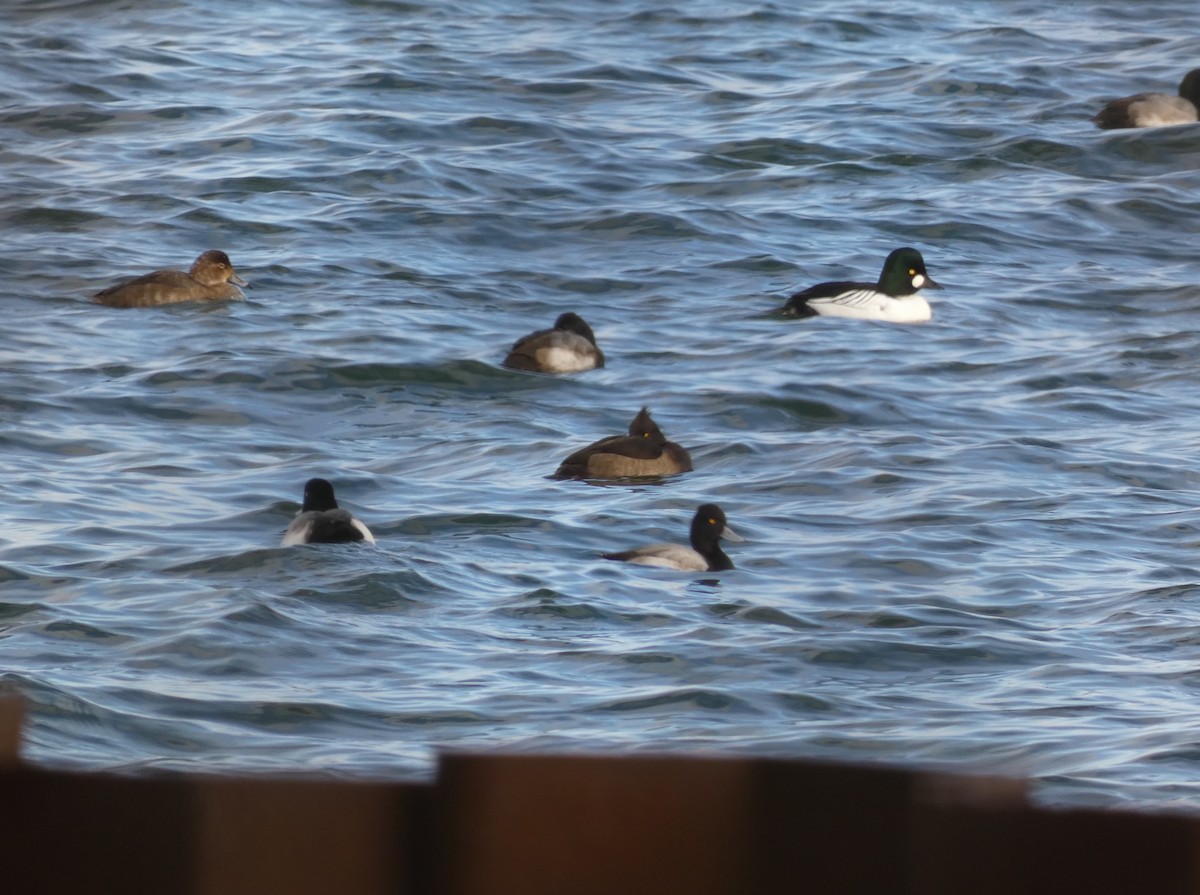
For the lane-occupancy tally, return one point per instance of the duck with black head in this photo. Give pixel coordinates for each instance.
(322, 521)
(704, 555)
(643, 452)
(568, 347)
(894, 298)
(1154, 109)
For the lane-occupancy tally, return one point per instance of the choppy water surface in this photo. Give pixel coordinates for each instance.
(970, 544)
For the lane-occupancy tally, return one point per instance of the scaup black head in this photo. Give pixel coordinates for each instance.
(318, 496)
(322, 521)
(572, 323)
(705, 553)
(1189, 87)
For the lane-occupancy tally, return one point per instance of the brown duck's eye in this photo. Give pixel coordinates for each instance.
(712, 521)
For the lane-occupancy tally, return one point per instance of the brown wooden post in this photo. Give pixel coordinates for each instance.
(548, 825)
(12, 715)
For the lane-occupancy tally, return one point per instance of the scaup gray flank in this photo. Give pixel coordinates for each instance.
(1154, 109)
(644, 451)
(211, 278)
(568, 347)
(705, 554)
(322, 521)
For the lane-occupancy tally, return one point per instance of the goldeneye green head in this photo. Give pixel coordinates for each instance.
(904, 273)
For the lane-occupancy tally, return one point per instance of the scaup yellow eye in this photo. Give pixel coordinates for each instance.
(712, 521)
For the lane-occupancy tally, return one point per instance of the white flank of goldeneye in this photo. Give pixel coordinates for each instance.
(705, 554)
(1155, 109)
(321, 521)
(895, 298)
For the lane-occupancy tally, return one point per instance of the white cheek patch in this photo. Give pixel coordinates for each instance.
(918, 281)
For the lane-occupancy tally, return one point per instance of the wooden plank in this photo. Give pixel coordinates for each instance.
(306, 837)
(12, 715)
(842, 828)
(63, 832)
(1030, 851)
(554, 824)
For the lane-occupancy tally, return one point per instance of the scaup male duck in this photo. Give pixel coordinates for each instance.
(1154, 109)
(645, 451)
(211, 278)
(321, 521)
(569, 347)
(705, 554)
(895, 298)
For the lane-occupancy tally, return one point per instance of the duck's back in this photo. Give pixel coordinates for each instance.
(554, 351)
(326, 527)
(163, 287)
(624, 456)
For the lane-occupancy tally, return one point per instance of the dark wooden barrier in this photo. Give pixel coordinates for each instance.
(535, 824)
(696, 825)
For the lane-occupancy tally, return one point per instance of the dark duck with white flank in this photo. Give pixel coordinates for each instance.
(322, 521)
(895, 298)
(705, 554)
(569, 347)
(1154, 109)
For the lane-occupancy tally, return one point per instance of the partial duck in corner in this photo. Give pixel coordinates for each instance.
(705, 554)
(322, 521)
(645, 451)
(211, 278)
(895, 298)
(569, 347)
(1154, 109)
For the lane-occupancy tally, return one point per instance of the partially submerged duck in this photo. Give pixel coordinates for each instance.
(645, 451)
(322, 521)
(568, 347)
(1154, 109)
(211, 278)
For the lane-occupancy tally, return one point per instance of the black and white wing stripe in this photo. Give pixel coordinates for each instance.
(807, 303)
(858, 297)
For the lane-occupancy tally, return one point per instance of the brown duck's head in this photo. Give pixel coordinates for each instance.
(213, 268)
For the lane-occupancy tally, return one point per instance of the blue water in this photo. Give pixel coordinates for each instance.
(970, 544)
